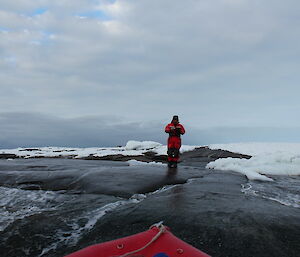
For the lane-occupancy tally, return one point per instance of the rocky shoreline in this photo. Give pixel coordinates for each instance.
(204, 154)
(96, 200)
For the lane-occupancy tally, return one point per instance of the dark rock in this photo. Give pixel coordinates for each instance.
(30, 149)
(8, 156)
(213, 215)
(147, 157)
(201, 154)
(205, 208)
(206, 154)
(106, 177)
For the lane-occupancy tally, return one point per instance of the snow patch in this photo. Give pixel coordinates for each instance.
(267, 159)
(139, 163)
(143, 145)
(132, 148)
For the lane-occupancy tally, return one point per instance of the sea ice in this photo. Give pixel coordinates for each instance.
(267, 159)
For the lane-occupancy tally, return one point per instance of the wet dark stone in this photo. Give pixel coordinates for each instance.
(205, 208)
(201, 154)
(213, 215)
(206, 155)
(30, 149)
(8, 156)
(110, 179)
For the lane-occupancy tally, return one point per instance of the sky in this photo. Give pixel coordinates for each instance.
(100, 72)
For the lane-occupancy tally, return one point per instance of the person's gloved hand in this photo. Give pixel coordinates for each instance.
(178, 131)
(172, 131)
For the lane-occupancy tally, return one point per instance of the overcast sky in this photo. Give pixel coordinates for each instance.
(93, 72)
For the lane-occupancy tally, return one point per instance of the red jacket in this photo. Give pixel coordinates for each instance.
(175, 130)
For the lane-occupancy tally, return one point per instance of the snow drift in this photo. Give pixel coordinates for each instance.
(267, 159)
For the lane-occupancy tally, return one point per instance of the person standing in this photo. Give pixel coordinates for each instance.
(175, 130)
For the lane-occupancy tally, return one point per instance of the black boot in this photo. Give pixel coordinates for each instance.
(172, 164)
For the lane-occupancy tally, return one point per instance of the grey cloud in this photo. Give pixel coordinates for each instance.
(216, 63)
(35, 129)
(28, 7)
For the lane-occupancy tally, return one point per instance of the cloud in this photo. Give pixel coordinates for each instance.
(36, 130)
(215, 63)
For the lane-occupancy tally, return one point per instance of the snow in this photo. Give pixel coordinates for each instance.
(267, 159)
(139, 163)
(144, 145)
(132, 148)
(188, 148)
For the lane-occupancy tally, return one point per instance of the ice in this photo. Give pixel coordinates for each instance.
(257, 148)
(132, 148)
(144, 145)
(139, 163)
(267, 159)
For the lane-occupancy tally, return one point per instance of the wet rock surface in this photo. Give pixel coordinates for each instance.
(202, 154)
(211, 214)
(52, 207)
(205, 154)
(8, 156)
